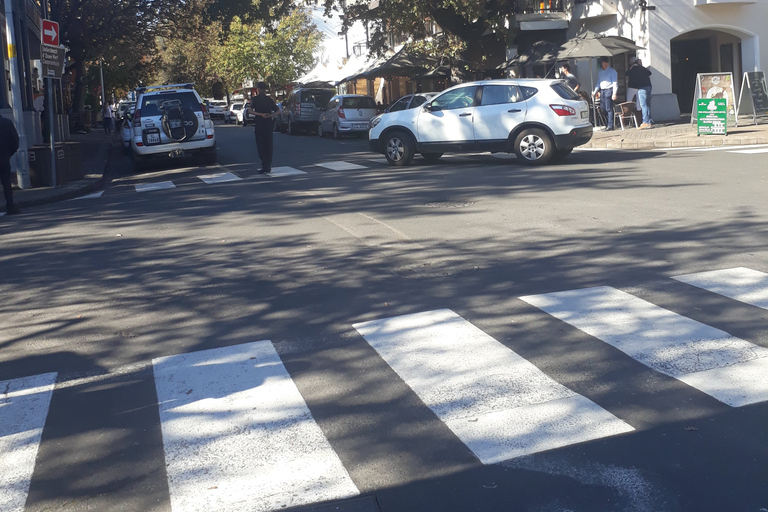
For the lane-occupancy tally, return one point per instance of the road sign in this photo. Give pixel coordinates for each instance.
(50, 33)
(52, 58)
(712, 116)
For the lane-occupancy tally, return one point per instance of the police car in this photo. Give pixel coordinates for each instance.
(171, 121)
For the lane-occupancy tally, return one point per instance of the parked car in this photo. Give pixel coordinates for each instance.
(230, 116)
(347, 113)
(124, 108)
(217, 108)
(243, 117)
(171, 121)
(539, 120)
(301, 110)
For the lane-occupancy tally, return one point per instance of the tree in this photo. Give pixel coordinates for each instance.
(482, 26)
(276, 54)
(122, 32)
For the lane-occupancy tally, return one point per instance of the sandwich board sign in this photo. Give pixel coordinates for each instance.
(712, 116)
(756, 97)
(715, 86)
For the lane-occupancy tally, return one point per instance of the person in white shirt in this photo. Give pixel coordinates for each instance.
(607, 86)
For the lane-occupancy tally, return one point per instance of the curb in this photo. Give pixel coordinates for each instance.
(679, 143)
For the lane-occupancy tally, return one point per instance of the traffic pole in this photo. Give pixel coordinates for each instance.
(22, 160)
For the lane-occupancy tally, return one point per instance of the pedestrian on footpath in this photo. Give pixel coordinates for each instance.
(107, 117)
(607, 87)
(263, 109)
(10, 138)
(570, 79)
(640, 81)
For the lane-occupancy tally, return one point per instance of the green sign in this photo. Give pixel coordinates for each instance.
(712, 116)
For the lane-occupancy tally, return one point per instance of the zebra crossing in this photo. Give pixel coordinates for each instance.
(237, 433)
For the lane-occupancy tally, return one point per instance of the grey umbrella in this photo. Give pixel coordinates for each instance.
(544, 52)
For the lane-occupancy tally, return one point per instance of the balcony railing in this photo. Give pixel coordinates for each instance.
(538, 6)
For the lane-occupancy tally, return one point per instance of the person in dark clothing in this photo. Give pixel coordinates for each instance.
(639, 79)
(263, 109)
(10, 138)
(570, 79)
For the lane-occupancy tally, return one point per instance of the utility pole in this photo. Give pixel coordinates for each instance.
(22, 161)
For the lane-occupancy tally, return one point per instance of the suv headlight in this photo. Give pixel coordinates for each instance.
(376, 120)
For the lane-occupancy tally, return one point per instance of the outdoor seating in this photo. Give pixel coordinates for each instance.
(625, 112)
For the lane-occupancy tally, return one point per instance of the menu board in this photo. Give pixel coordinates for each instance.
(712, 116)
(757, 89)
(717, 85)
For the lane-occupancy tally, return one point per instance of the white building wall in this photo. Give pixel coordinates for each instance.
(740, 21)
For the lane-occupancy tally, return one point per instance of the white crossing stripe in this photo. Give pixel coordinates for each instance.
(92, 196)
(730, 369)
(238, 435)
(751, 151)
(730, 149)
(23, 409)
(221, 177)
(160, 185)
(743, 284)
(500, 405)
(285, 171)
(341, 166)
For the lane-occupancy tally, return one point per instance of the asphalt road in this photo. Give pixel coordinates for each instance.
(413, 312)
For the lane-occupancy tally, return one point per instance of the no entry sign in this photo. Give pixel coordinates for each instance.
(50, 33)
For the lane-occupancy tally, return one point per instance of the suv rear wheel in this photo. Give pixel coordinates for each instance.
(399, 148)
(534, 147)
(291, 127)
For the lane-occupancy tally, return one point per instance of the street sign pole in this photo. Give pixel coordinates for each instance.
(22, 162)
(51, 128)
(51, 70)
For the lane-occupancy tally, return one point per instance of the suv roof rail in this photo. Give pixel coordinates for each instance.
(165, 86)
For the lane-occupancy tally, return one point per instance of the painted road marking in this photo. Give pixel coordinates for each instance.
(222, 177)
(500, 405)
(160, 185)
(91, 196)
(23, 409)
(238, 435)
(729, 148)
(285, 171)
(743, 284)
(341, 166)
(751, 151)
(730, 369)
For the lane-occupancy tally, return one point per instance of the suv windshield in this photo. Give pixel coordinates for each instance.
(319, 97)
(359, 102)
(151, 103)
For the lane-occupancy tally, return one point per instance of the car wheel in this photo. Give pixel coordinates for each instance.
(320, 132)
(560, 154)
(291, 128)
(534, 147)
(336, 132)
(399, 148)
(431, 157)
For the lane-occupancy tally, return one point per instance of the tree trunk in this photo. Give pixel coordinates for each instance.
(81, 88)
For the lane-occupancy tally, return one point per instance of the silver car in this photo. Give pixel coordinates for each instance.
(347, 113)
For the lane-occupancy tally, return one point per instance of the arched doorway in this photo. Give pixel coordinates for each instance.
(709, 50)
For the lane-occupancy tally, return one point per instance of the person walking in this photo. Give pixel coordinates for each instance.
(263, 108)
(639, 79)
(10, 138)
(108, 117)
(607, 86)
(570, 79)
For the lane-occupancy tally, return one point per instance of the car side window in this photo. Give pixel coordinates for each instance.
(528, 92)
(399, 105)
(500, 94)
(457, 98)
(418, 101)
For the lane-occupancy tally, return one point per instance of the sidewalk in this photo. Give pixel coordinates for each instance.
(96, 148)
(678, 135)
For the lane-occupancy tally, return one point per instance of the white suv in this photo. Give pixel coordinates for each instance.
(539, 120)
(171, 121)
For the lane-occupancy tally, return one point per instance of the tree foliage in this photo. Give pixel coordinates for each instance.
(276, 54)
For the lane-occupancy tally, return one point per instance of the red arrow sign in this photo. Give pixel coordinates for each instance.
(50, 33)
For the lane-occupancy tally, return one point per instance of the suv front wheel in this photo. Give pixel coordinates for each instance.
(534, 147)
(399, 148)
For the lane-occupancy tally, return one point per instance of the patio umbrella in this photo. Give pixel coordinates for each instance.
(544, 52)
(590, 45)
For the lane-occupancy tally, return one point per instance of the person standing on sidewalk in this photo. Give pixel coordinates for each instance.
(108, 117)
(263, 108)
(640, 80)
(570, 79)
(607, 86)
(10, 138)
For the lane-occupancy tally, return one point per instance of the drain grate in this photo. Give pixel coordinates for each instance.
(449, 203)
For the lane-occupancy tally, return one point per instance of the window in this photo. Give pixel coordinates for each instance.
(499, 94)
(150, 105)
(317, 96)
(565, 92)
(399, 105)
(457, 98)
(418, 101)
(528, 92)
(359, 102)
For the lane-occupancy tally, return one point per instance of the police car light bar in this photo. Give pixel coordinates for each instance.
(165, 86)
